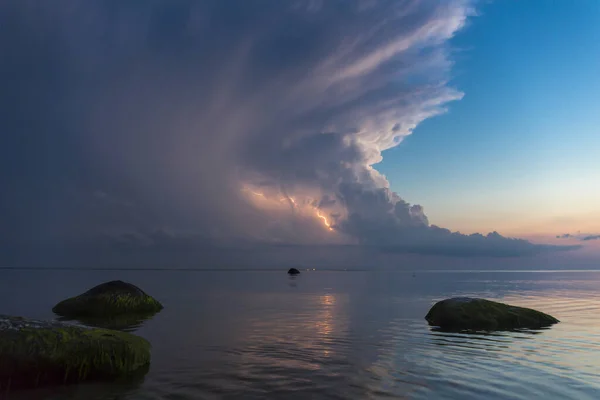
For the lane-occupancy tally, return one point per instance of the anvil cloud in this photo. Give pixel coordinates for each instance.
(144, 124)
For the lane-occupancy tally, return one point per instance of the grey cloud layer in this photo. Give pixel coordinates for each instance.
(123, 119)
(584, 237)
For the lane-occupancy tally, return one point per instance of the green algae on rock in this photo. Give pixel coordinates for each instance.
(472, 314)
(108, 299)
(35, 353)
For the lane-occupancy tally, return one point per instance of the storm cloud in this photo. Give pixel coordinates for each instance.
(153, 123)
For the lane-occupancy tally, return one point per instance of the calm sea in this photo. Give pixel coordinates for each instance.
(336, 335)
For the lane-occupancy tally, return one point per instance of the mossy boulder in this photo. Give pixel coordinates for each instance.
(293, 271)
(107, 300)
(35, 353)
(472, 314)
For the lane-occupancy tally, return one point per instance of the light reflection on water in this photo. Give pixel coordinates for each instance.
(337, 335)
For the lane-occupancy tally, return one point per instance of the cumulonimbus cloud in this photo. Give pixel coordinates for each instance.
(228, 121)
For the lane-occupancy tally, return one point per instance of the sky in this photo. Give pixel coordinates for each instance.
(166, 132)
(517, 154)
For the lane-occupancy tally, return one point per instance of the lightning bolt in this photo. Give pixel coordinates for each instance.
(325, 221)
(295, 205)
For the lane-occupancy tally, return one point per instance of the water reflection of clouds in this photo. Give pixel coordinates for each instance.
(325, 322)
(302, 338)
(377, 345)
(359, 335)
(396, 371)
(568, 350)
(573, 343)
(333, 336)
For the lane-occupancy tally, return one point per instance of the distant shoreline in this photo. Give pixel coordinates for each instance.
(279, 270)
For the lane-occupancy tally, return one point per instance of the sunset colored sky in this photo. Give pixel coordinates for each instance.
(163, 131)
(519, 152)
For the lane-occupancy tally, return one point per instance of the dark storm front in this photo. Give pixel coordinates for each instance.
(336, 335)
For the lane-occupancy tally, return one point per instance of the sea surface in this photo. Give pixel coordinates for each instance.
(335, 335)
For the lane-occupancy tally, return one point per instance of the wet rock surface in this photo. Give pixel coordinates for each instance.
(466, 313)
(37, 353)
(107, 300)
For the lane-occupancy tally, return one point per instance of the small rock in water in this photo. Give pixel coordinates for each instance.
(293, 271)
(108, 299)
(35, 353)
(472, 314)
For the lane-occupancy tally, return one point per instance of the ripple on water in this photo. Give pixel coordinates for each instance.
(561, 361)
(362, 336)
(319, 351)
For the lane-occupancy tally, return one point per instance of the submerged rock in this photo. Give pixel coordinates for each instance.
(465, 313)
(293, 271)
(35, 353)
(120, 322)
(108, 299)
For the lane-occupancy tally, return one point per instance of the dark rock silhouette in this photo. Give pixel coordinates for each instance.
(471, 314)
(293, 271)
(108, 299)
(35, 353)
